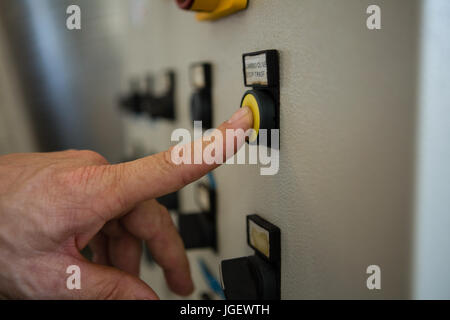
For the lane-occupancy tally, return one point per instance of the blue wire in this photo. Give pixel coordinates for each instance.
(212, 181)
(213, 283)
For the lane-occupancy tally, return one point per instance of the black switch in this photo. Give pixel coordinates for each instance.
(133, 102)
(249, 278)
(199, 229)
(161, 106)
(201, 99)
(255, 277)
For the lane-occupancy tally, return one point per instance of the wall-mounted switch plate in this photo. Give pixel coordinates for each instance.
(262, 73)
(256, 277)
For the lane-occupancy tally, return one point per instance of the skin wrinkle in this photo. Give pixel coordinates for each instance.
(39, 265)
(55, 216)
(29, 224)
(111, 293)
(117, 188)
(83, 181)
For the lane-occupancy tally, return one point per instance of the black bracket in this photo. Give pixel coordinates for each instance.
(156, 106)
(161, 106)
(199, 230)
(133, 101)
(201, 99)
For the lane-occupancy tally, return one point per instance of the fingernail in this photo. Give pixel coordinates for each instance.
(242, 112)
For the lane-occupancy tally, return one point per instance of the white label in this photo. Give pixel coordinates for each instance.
(198, 76)
(259, 238)
(162, 83)
(256, 70)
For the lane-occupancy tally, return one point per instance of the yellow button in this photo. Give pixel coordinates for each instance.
(223, 9)
(250, 101)
(205, 5)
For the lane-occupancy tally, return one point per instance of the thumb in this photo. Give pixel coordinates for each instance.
(106, 283)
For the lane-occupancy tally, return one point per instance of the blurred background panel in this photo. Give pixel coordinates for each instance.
(69, 80)
(16, 133)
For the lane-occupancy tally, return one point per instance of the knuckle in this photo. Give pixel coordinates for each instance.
(167, 162)
(166, 220)
(113, 229)
(83, 176)
(85, 186)
(169, 167)
(114, 186)
(160, 223)
(93, 156)
(162, 208)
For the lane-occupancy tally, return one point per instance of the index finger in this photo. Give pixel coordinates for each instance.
(151, 177)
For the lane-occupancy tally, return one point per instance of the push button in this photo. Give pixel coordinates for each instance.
(263, 109)
(198, 5)
(213, 9)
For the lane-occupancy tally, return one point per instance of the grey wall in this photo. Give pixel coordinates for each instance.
(343, 196)
(16, 134)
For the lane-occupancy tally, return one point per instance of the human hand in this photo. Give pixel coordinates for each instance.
(52, 205)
